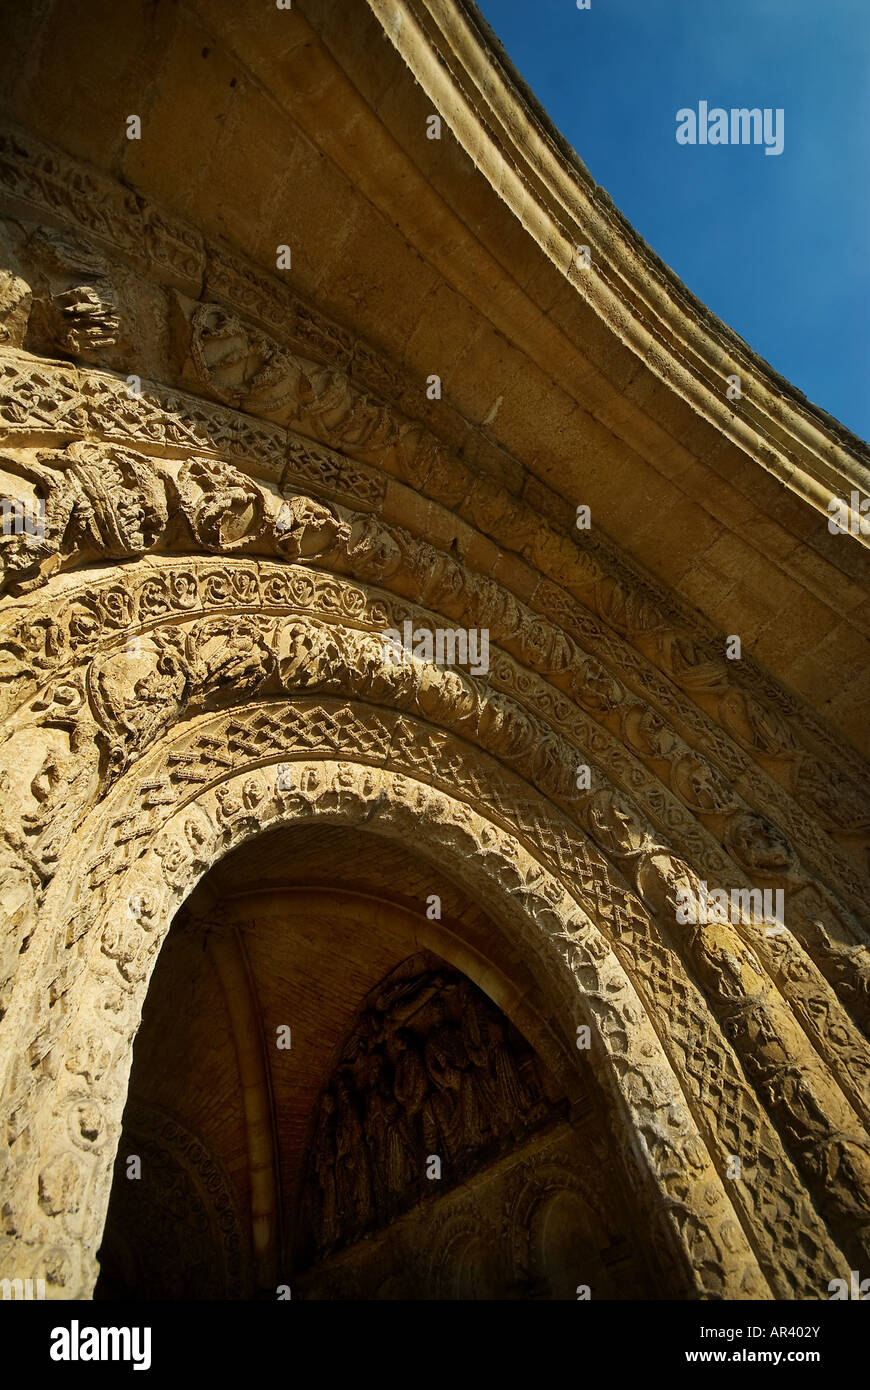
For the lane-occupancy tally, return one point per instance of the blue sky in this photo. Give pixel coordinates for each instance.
(778, 246)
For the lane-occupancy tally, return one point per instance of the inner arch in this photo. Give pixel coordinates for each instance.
(299, 929)
(540, 914)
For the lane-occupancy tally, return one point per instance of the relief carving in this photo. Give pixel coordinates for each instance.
(273, 644)
(111, 215)
(74, 307)
(431, 1068)
(16, 299)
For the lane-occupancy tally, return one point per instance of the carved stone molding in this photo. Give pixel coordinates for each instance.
(625, 701)
(253, 802)
(241, 496)
(653, 619)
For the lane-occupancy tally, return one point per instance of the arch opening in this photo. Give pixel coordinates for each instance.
(330, 1091)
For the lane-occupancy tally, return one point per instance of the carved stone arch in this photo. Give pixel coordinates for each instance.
(464, 1263)
(188, 648)
(560, 1232)
(615, 828)
(339, 658)
(560, 1223)
(627, 855)
(655, 852)
(631, 1063)
(551, 1174)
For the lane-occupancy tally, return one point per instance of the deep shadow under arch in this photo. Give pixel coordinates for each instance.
(497, 1115)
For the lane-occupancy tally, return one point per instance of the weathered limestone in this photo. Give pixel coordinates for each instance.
(244, 486)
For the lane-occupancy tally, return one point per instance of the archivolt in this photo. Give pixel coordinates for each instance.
(114, 713)
(128, 775)
(674, 1171)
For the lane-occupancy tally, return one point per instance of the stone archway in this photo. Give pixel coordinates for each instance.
(163, 699)
(628, 1055)
(159, 713)
(277, 951)
(242, 494)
